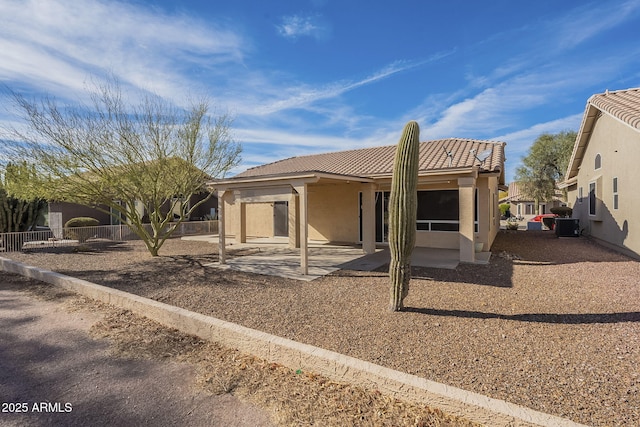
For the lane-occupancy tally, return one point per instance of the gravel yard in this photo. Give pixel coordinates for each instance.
(551, 324)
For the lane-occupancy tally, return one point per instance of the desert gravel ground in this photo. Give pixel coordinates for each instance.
(551, 324)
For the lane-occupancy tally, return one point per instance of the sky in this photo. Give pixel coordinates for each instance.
(310, 76)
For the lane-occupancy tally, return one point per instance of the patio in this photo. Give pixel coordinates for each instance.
(272, 256)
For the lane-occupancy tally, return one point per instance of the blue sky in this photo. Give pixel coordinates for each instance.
(309, 76)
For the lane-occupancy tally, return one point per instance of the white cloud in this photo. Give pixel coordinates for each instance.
(303, 95)
(55, 44)
(303, 142)
(591, 20)
(296, 26)
(485, 112)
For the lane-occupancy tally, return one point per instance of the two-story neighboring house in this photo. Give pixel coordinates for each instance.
(604, 171)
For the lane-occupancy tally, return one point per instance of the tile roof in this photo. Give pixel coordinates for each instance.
(370, 162)
(622, 104)
(516, 194)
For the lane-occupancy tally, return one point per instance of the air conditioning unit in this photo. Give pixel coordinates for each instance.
(567, 227)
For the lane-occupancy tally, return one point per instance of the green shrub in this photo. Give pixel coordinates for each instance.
(504, 207)
(562, 211)
(512, 224)
(82, 234)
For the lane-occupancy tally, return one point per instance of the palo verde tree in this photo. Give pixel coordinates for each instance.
(403, 207)
(545, 165)
(120, 155)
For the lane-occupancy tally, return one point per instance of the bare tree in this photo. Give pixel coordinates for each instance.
(123, 155)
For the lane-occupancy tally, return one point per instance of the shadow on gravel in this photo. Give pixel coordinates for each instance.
(543, 247)
(529, 248)
(569, 318)
(88, 248)
(498, 273)
(199, 261)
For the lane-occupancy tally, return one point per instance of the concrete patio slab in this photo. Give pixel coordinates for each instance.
(275, 258)
(286, 263)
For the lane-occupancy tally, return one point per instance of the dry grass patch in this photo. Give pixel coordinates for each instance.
(294, 398)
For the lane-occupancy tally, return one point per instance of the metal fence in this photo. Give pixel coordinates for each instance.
(58, 237)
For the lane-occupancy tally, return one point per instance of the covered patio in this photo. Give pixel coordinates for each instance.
(292, 189)
(272, 256)
(342, 198)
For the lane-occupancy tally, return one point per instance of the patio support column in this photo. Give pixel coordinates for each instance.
(241, 233)
(222, 256)
(485, 208)
(368, 210)
(301, 189)
(467, 208)
(294, 221)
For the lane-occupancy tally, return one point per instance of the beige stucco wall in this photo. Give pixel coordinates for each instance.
(617, 145)
(489, 211)
(333, 214)
(259, 219)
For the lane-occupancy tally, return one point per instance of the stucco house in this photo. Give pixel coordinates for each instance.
(605, 168)
(520, 204)
(65, 210)
(61, 212)
(343, 197)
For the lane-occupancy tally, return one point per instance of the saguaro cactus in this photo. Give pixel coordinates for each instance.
(403, 204)
(17, 214)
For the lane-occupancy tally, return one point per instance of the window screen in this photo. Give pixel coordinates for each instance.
(438, 205)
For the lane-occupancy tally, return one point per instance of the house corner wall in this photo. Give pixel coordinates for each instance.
(617, 144)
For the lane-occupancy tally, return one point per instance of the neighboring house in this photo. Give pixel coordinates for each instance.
(604, 170)
(343, 197)
(61, 212)
(523, 205)
(65, 211)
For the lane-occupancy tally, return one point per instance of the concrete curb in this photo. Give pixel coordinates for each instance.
(295, 355)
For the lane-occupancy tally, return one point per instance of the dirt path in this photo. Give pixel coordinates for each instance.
(51, 368)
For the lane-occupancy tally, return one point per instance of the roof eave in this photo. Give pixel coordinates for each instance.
(309, 176)
(589, 119)
(433, 172)
(568, 182)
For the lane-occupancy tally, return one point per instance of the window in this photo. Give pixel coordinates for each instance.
(615, 193)
(580, 195)
(117, 217)
(439, 210)
(598, 162)
(493, 208)
(592, 198)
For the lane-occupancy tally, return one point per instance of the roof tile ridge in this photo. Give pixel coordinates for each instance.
(484, 141)
(618, 91)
